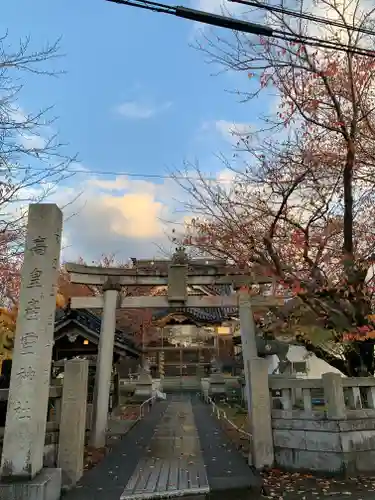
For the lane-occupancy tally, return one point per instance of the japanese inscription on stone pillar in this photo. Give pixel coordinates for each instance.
(29, 388)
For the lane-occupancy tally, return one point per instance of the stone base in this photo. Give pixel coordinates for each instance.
(217, 384)
(143, 388)
(217, 378)
(45, 486)
(142, 393)
(217, 388)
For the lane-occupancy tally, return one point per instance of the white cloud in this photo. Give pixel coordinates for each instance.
(33, 141)
(117, 184)
(230, 131)
(116, 216)
(217, 6)
(233, 130)
(123, 183)
(226, 177)
(121, 215)
(32, 130)
(140, 110)
(341, 11)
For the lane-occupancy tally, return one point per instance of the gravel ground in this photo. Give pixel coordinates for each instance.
(293, 486)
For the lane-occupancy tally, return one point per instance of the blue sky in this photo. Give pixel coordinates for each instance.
(136, 98)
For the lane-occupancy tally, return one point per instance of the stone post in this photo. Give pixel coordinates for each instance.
(104, 364)
(73, 421)
(371, 397)
(256, 389)
(261, 445)
(334, 396)
(25, 428)
(248, 341)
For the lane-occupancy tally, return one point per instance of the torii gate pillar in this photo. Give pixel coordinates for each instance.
(111, 290)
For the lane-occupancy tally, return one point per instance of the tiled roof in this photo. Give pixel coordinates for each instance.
(204, 314)
(211, 315)
(223, 312)
(93, 323)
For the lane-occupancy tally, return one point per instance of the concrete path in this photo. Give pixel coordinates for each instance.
(176, 450)
(173, 465)
(108, 479)
(227, 470)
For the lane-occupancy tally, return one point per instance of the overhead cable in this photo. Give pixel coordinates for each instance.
(134, 175)
(199, 16)
(242, 26)
(304, 15)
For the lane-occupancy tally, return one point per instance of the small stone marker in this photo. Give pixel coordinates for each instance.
(73, 421)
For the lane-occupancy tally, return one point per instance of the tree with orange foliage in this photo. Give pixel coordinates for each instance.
(301, 208)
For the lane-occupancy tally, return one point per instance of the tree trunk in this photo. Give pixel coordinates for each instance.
(348, 203)
(360, 358)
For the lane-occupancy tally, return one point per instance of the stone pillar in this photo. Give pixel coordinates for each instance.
(248, 341)
(73, 421)
(261, 449)
(334, 396)
(104, 364)
(22, 456)
(256, 389)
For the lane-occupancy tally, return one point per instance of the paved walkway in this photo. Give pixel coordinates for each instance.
(226, 467)
(178, 449)
(173, 465)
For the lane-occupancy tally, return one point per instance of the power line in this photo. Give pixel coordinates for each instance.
(128, 174)
(198, 15)
(242, 26)
(135, 175)
(324, 44)
(302, 15)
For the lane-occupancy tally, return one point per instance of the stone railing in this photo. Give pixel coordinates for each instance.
(335, 435)
(341, 397)
(177, 384)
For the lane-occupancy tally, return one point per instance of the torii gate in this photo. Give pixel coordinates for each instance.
(179, 274)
